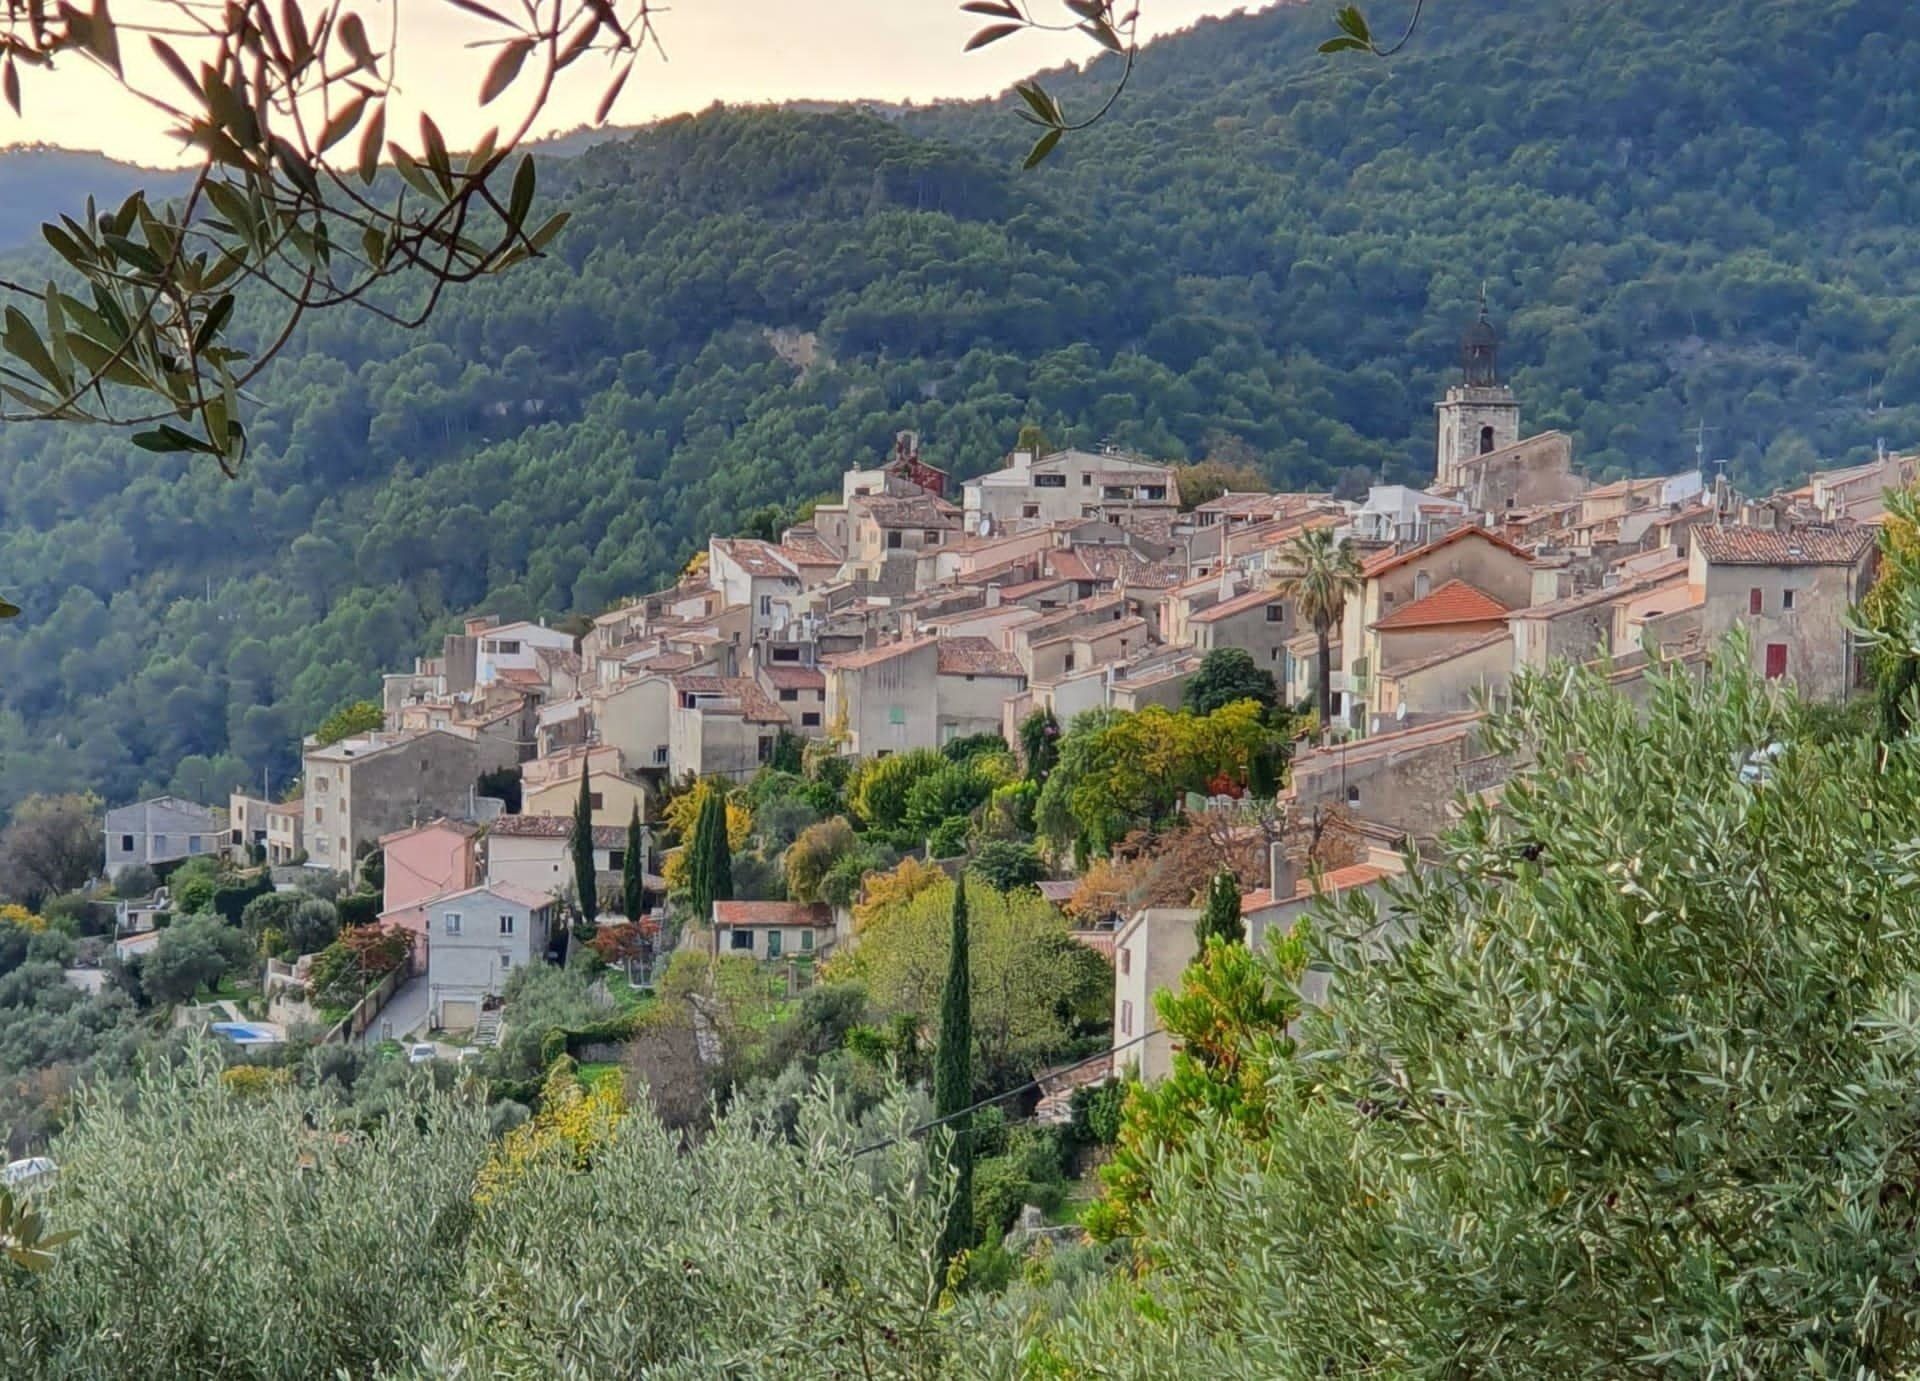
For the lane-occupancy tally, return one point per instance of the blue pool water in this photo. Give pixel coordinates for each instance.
(242, 1034)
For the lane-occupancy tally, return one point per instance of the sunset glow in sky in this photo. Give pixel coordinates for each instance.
(736, 51)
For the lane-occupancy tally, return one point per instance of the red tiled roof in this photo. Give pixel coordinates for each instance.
(788, 676)
(1454, 602)
(1387, 561)
(1327, 884)
(748, 700)
(736, 913)
(1804, 546)
(1068, 565)
(755, 557)
(973, 656)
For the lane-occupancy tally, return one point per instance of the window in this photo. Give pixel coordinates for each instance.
(1069, 663)
(740, 939)
(193, 843)
(1126, 1018)
(126, 843)
(506, 925)
(1050, 481)
(596, 799)
(1786, 599)
(789, 695)
(321, 784)
(1086, 479)
(1422, 583)
(507, 647)
(810, 719)
(806, 942)
(1031, 510)
(320, 844)
(1353, 795)
(1126, 960)
(1756, 601)
(786, 654)
(773, 944)
(319, 815)
(1776, 661)
(616, 860)
(452, 924)
(893, 539)
(765, 749)
(236, 838)
(766, 605)
(896, 714)
(660, 756)
(1155, 492)
(1486, 440)
(159, 843)
(930, 537)
(1276, 613)
(506, 959)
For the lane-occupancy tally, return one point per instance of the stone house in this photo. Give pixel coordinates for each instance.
(885, 699)
(535, 853)
(246, 825)
(1150, 952)
(1406, 779)
(475, 939)
(1445, 682)
(286, 830)
(972, 680)
(161, 831)
(1791, 590)
(611, 795)
(721, 726)
(1259, 622)
(758, 576)
(635, 716)
(515, 647)
(1451, 614)
(361, 788)
(772, 929)
(1037, 490)
(1473, 556)
(801, 693)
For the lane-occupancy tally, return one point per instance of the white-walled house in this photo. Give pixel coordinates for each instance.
(476, 938)
(163, 830)
(515, 647)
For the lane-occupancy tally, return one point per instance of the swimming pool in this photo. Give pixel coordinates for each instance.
(240, 1033)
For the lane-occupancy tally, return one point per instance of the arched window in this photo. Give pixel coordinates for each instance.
(1421, 583)
(1486, 440)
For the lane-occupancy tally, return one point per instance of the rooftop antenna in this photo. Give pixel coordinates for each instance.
(1700, 432)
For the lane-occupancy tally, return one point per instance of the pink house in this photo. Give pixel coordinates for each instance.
(422, 863)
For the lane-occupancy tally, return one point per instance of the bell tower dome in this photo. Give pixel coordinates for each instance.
(1479, 414)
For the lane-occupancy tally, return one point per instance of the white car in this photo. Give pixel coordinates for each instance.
(23, 1174)
(422, 1054)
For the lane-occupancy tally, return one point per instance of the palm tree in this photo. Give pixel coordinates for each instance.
(1325, 573)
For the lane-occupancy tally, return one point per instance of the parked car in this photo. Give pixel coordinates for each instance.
(422, 1054)
(24, 1174)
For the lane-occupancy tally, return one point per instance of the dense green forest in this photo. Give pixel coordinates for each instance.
(1681, 216)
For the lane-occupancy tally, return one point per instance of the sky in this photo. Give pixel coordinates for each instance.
(735, 51)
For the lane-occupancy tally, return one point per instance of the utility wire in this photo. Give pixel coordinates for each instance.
(1002, 1097)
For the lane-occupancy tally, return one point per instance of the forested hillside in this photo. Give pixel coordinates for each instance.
(1706, 215)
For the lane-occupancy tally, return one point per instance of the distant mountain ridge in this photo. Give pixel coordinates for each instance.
(1699, 217)
(39, 183)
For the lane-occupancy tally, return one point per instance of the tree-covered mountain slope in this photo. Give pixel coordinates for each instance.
(1681, 216)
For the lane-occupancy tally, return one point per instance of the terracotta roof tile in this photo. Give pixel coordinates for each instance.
(555, 827)
(1239, 604)
(1454, 602)
(789, 676)
(874, 656)
(1804, 546)
(737, 913)
(976, 657)
(755, 557)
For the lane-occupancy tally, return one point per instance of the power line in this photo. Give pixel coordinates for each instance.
(1002, 1097)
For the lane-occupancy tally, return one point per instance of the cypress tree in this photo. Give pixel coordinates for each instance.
(709, 859)
(583, 875)
(1221, 919)
(632, 871)
(953, 1080)
(722, 851)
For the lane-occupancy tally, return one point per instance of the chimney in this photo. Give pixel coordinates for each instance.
(1282, 876)
(1226, 583)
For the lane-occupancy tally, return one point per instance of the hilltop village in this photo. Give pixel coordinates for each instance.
(914, 615)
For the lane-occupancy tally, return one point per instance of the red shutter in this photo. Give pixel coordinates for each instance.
(1776, 661)
(1753, 600)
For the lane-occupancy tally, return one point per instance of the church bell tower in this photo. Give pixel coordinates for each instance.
(1480, 413)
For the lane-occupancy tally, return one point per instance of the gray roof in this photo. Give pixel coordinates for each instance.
(162, 814)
